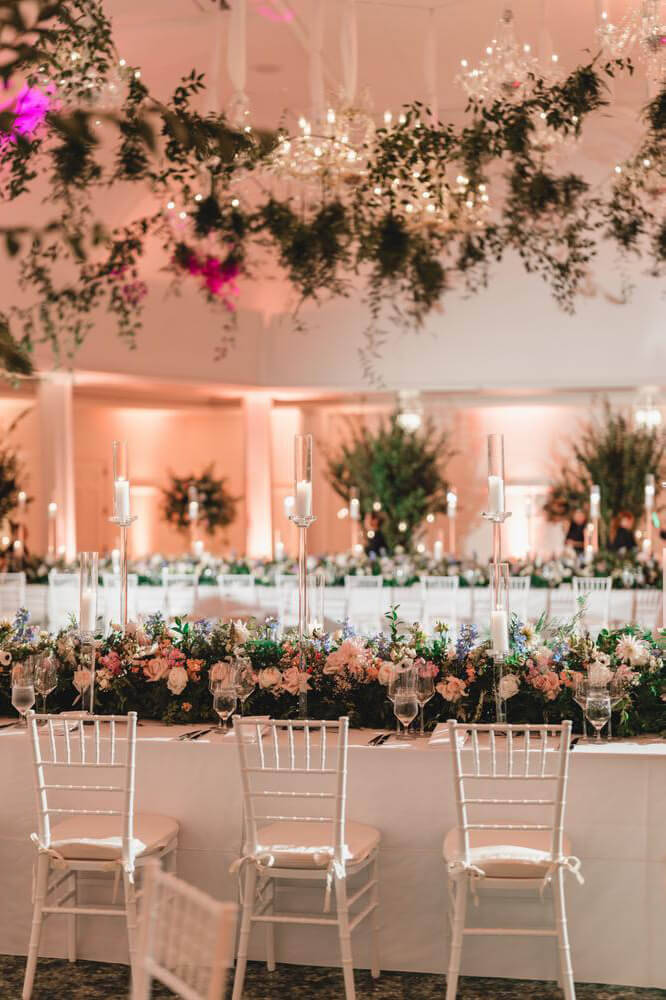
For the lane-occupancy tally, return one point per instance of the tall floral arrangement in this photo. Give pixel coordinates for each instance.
(616, 455)
(402, 470)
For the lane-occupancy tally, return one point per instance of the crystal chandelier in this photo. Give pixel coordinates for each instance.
(333, 151)
(643, 28)
(505, 69)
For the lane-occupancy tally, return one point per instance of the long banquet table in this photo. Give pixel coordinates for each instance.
(616, 818)
(557, 602)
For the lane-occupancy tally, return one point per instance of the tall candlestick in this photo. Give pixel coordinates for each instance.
(88, 611)
(495, 495)
(303, 518)
(88, 575)
(499, 631)
(122, 516)
(303, 504)
(438, 550)
(52, 513)
(121, 498)
(278, 548)
(193, 511)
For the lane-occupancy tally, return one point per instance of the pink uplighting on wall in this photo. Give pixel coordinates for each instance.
(273, 13)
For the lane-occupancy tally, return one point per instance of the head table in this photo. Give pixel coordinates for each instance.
(616, 818)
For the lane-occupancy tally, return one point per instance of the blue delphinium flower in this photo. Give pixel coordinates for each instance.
(517, 637)
(202, 627)
(154, 624)
(348, 631)
(22, 630)
(466, 639)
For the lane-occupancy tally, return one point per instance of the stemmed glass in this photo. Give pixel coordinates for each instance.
(598, 708)
(245, 683)
(579, 696)
(46, 677)
(23, 688)
(224, 703)
(402, 691)
(425, 690)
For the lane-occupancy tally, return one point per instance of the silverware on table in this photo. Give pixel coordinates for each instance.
(375, 739)
(202, 732)
(190, 735)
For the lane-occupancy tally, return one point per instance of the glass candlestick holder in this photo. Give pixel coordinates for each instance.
(499, 630)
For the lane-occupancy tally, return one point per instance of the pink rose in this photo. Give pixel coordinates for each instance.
(156, 669)
(294, 681)
(452, 688)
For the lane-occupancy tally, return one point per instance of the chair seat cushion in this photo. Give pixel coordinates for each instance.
(99, 838)
(308, 844)
(505, 853)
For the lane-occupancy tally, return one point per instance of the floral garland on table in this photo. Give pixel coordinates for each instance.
(413, 220)
(163, 671)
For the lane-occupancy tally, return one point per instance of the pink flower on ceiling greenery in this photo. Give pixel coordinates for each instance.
(30, 107)
(218, 275)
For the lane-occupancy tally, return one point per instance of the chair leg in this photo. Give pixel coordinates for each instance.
(270, 932)
(249, 888)
(374, 945)
(41, 884)
(345, 936)
(460, 906)
(566, 971)
(71, 923)
(131, 917)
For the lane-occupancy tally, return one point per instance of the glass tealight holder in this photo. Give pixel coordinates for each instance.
(121, 485)
(302, 510)
(88, 575)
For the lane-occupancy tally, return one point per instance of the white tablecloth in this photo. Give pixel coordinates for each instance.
(558, 602)
(616, 818)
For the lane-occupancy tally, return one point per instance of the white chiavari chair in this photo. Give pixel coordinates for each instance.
(12, 593)
(519, 596)
(287, 600)
(63, 598)
(510, 785)
(294, 779)
(559, 602)
(237, 586)
(84, 768)
(647, 609)
(186, 939)
(439, 602)
(596, 591)
(365, 603)
(111, 594)
(181, 591)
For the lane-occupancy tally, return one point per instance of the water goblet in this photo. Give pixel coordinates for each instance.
(598, 709)
(224, 703)
(579, 696)
(406, 707)
(23, 689)
(46, 677)
(425, 690)
(245, 683)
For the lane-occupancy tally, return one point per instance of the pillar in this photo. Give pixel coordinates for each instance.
(257, 409)
(55, 402)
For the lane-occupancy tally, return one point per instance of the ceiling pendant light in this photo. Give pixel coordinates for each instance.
(505, 69)
(642, 29)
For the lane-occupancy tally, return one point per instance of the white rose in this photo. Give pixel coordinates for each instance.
(81, 679)
(177, 680)
(508, 686)
(385, 673)
(270, 678)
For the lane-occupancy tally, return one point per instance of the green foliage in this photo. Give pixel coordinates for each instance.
(403, 470)
(217, 508)
(617, 456)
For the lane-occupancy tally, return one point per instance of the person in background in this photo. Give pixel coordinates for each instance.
(623, 536)
(375, 540)
(576, 534)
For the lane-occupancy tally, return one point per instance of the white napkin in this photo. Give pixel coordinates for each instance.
(440, 735)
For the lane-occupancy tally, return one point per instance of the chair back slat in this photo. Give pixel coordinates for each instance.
(88, 747)
(286, 777)
(365, 602)
(181, 591)
(186, 939)
(493, 757)
(439, 600)
(596, 592)
(12, 593)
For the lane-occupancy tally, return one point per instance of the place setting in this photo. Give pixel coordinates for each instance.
(332, 499)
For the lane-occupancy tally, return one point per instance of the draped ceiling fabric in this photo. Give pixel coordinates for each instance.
(510, 334)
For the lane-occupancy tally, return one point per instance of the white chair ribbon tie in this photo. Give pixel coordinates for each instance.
(571, 864)
(334, 869)
(261, 859)
(456, 868)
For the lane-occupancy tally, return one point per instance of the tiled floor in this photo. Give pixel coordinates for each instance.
(58, 980)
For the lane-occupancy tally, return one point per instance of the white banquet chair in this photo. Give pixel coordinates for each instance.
(596, 590)
(294, 780)
(519, 597)
(77, 758)
(63, 598)
(180, 593)
(365, 603)
(647, 608)
(504, 841)
(287, 600)
(111, 594)
(439, 602)
(237, 586)
(186, 939)
(12, 593)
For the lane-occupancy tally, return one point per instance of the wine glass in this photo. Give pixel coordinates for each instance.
(46, 677)
(425, 690)
(579, 696)
(598, 709)
(401, 679)
(23, 688)
(224, 703)
(245, 683)
(405, 707)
